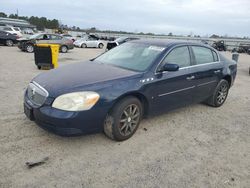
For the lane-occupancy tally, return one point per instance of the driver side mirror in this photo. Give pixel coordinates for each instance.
(169, 67)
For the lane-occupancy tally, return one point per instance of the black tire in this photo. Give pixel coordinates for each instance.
(29, 48)
(64, 49)
(39, 67)
(124, 118)
(220, 94)
(83, 46)
(9, 42)
(100, 46)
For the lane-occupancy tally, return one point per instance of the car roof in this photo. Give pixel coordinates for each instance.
(167, 42)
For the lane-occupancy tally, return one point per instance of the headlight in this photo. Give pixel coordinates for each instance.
(76, 101)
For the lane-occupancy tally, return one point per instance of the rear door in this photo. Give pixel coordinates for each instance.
(207, 72)
(92, 42)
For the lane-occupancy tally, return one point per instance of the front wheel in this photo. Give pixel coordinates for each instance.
(9, 43)
(220, 94)
(30, 48)
(84, 45)
(123, 120)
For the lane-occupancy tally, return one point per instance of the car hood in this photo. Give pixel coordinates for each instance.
(78, 76)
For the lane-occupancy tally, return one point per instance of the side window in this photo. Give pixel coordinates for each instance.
(44, 37)
(215, 56)
(180, 56)
(55, 37)
(7, 29)
(202, 55)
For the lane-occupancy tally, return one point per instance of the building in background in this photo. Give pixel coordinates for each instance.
(22, 24)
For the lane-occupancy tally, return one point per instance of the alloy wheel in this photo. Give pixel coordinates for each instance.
(30, 48)
(9, 43)
(129, 119)
(64, 49)
(222, 94)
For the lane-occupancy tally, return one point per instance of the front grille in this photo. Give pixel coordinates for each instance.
(36, 94)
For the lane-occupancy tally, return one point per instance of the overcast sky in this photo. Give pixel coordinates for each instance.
(202, 17)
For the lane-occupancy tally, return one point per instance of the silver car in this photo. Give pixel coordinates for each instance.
(89, 42)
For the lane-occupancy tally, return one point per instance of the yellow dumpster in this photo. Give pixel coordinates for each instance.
(46, 55)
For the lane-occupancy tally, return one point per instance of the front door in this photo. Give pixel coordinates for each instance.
(169, 90)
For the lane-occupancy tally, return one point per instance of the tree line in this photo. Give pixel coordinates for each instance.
(40, 22)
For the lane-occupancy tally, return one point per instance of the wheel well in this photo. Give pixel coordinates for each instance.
(229, 79)
(140, 97)
(65, 46)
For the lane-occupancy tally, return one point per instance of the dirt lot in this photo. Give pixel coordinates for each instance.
(196, 146)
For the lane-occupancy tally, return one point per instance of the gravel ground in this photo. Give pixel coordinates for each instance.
(196, 146)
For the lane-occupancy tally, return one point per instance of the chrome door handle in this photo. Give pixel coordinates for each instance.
(217, 71)
(190, 78)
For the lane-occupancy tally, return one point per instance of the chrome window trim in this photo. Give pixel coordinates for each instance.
(176, 91)
(198, 65)
(188, 45)
(46, 92)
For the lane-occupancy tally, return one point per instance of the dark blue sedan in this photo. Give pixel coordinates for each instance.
(114, 91)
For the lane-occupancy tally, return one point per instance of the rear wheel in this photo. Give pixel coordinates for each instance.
(29, 48)
(9, 43)
(84, 46)
(64, 49)
(100, 45)
(123, 120)
(220, 94)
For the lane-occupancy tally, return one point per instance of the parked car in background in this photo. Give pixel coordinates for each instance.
(114, 91)
(68, 36)
(244, 48)
(27, 44)
(12, 30)
(89, 42)
(8, 39)
(119, 41)
(28, 31)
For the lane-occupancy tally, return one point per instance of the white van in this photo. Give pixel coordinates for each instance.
(12, 30)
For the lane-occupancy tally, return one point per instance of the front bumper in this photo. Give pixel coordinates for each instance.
(66, 123)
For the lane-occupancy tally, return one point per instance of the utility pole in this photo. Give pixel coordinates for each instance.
(17, 12)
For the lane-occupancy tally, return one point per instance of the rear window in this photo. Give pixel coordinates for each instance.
(203, 55)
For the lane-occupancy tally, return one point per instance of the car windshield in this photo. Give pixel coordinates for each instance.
(132, 56)
(34, 36)
(16, 29)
